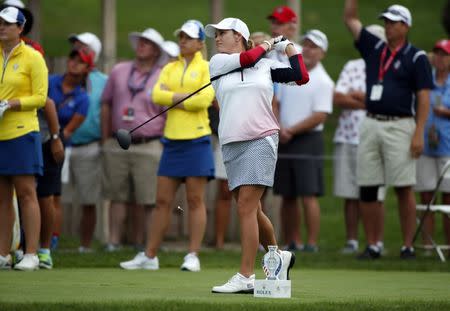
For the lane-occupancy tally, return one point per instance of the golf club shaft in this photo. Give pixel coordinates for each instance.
(170, 107)
(427, 211)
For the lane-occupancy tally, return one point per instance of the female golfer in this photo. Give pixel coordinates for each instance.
(187, 154)
(248, 134)
(23, 89)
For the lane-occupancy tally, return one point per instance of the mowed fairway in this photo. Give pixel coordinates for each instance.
(171, 289)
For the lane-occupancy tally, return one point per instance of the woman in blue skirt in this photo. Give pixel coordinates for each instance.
(23, 89)
(187, 156)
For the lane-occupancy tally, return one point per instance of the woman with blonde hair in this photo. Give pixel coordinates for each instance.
(187, 155)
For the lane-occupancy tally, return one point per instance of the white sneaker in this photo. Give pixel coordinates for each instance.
(5, 262)
(191, 263)
(141, 261)
(29, 262)
(288, 259)
(238, 284)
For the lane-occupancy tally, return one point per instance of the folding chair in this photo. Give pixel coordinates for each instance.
(445, 209)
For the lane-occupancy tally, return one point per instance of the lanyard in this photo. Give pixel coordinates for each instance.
(135, 89)
(383, 69)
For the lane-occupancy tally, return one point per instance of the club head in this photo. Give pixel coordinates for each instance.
(123, 138)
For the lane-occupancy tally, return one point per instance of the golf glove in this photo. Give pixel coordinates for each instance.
(277, 39)
(280, 46)
(3, 107)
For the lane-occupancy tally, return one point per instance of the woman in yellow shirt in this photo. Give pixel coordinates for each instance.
(187, 155)
(23, 89)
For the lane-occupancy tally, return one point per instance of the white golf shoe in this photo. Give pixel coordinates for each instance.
(288, 261)
(191, 263)
(29, 262)
(238, 284)
(141, 261)
(5, 262)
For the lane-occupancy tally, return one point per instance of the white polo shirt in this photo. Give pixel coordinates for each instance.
(245, 98)
(298, 103)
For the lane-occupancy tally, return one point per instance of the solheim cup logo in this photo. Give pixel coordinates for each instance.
(272, 263)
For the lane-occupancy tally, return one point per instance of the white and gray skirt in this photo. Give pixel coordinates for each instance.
(251, 162)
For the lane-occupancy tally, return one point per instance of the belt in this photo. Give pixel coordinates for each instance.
(383, 117)
(143, 140)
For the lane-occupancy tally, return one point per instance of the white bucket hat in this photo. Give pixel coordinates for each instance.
(152, 35)
(91, 40)
(229, 23)
(171, 48)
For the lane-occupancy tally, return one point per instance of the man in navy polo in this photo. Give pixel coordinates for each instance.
(398, 81)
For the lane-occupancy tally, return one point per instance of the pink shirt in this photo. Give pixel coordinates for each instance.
(128, 111)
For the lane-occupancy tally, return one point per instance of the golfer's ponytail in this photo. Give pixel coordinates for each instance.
(248, 44)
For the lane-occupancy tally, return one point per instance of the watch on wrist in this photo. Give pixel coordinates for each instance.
(55, 136)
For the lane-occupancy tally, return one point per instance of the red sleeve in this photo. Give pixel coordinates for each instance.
(303, 71)
(251, 57)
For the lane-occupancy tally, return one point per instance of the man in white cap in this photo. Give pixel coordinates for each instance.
(398, 81)
(130, 176)
(85, 160)
(349, 95)
(299, 171)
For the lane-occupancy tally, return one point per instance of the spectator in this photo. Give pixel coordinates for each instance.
(71, 102)
(248, 134)
(20, 147)
(53, 157)
(299, 171)
(391, 137)
(18, 254)
(437, 140)
(187, 155)
(130, 176)
(350, 96)
(283, 22)
(85, 164)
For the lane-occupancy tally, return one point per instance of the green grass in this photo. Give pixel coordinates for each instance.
(169, 289)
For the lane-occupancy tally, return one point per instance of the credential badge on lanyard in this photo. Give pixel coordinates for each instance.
(377, 89)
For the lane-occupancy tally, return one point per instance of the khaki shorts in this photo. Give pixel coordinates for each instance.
(130, 175)
(384, 155)
(85, 177)
(428, 172)
(345, 185)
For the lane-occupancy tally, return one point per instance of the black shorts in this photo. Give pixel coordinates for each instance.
(299, 170)
(50, 182)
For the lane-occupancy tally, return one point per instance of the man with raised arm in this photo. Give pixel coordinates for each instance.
(398, 81)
